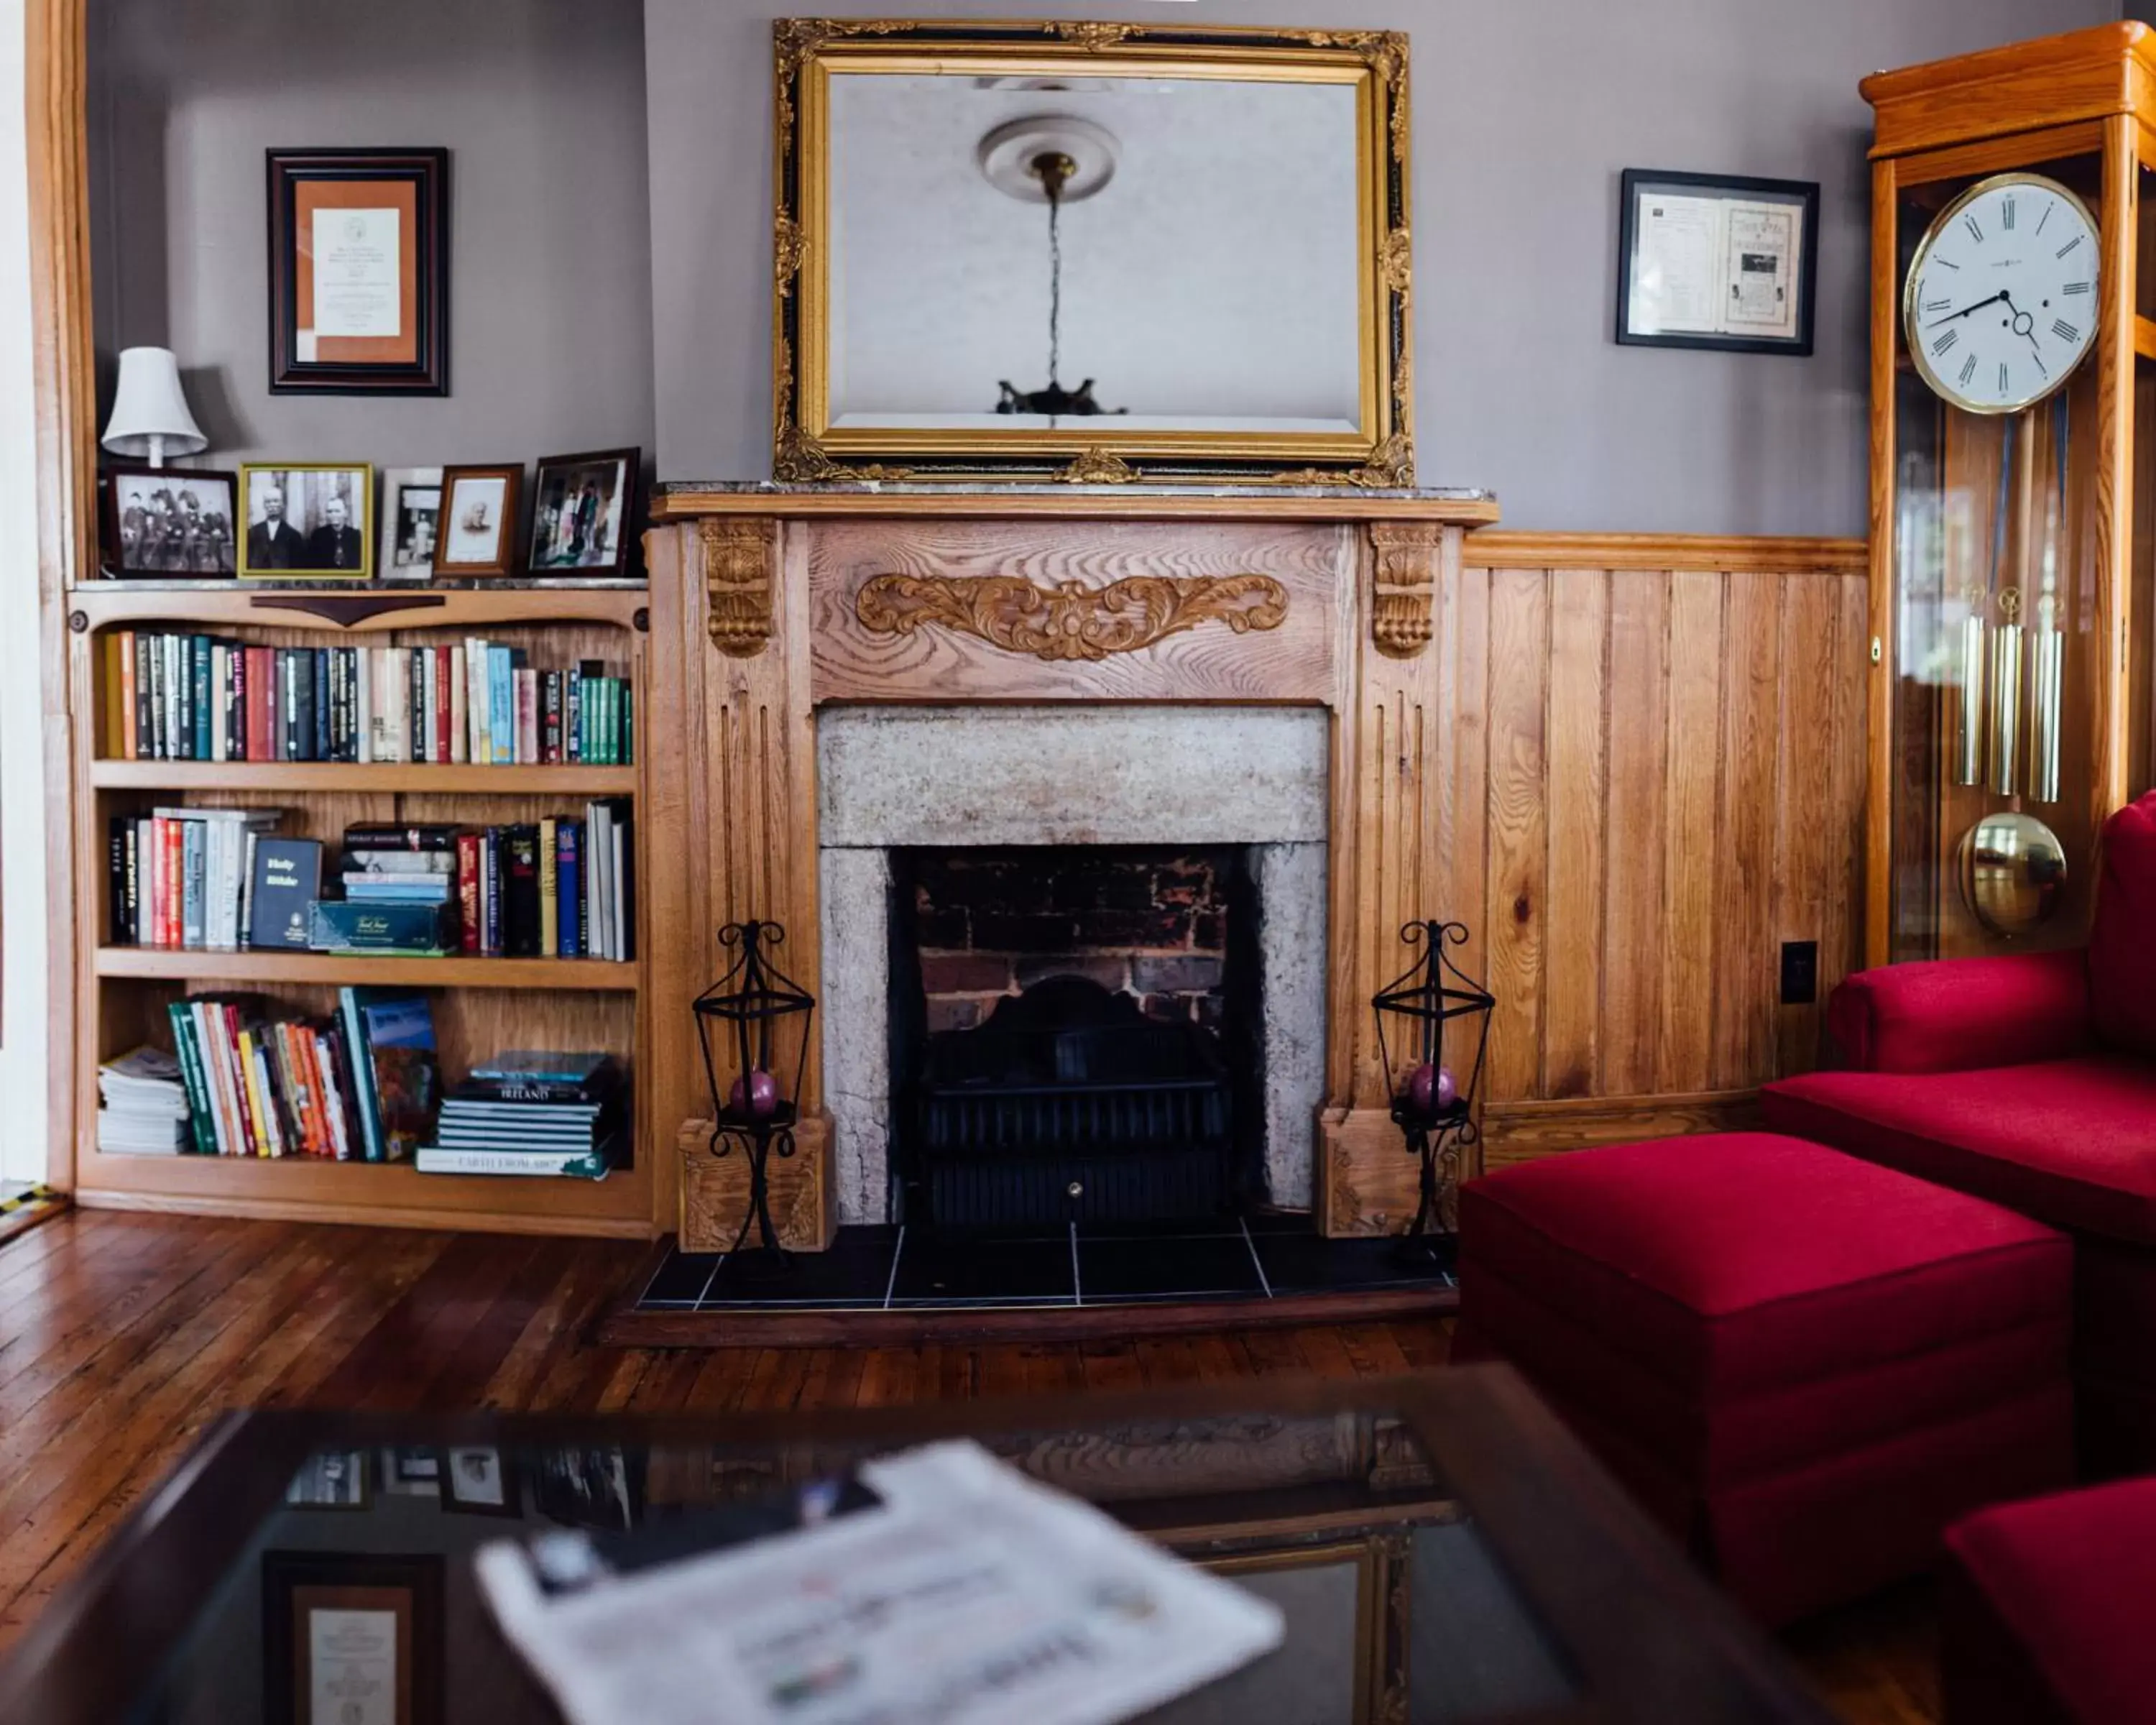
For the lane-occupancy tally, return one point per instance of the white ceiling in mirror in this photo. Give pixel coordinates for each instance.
(1211, 283)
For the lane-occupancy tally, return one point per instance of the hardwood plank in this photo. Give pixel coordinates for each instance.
(1752, 751)
(1691, 833)
(1518, 829)
(1577, 775)
(1806, 845)
(1636, 923)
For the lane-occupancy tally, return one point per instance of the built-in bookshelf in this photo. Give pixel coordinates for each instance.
(480, 1005)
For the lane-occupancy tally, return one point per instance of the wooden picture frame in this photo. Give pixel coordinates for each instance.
(577, 500)
(410, 525)
(143, 538)
(359, 301)
(481, 1479)
(464, 546)
(1689, 275)
(335, 1621)
(307, 520)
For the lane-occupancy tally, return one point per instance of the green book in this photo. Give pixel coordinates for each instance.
(193, 1078)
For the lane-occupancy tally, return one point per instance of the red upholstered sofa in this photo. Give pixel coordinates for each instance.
(2029, 1079)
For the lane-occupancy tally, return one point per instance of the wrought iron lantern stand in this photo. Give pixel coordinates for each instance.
(746, 1012)
(1433, 1003)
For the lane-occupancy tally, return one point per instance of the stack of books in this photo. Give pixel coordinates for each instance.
(187, 878)
(358, 1086)
(532, 1113)
(198, 697)
(146, 1105)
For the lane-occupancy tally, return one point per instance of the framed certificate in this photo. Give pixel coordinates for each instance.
(1710, 260)
(352, 1639)
(359, 272)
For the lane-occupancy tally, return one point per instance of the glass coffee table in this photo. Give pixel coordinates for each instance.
(1440, 1548)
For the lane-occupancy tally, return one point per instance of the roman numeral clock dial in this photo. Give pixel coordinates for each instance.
(2000, 301)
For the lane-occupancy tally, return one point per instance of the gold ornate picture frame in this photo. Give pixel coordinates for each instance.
(809, 446)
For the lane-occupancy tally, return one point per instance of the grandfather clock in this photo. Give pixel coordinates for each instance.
(2013, 485)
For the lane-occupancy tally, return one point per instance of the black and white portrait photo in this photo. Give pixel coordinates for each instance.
(411, 519)
(580, 512)
(310, 520)
(170, 521)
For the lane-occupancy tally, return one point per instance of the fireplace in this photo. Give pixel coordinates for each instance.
(1075, 1035)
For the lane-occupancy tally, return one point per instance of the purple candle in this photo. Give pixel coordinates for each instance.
(758, 1099)
(1430, 1090)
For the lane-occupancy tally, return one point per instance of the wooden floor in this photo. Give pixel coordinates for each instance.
(122, 1337)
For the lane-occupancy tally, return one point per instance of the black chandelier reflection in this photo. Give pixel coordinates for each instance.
(1054, 169)
(1439, 1020)
(752, 1025)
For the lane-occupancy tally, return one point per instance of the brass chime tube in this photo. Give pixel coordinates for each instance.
(2047, 669)
(2007, 639)
(1968, 753)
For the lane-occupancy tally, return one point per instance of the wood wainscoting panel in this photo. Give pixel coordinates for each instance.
(1654, 777)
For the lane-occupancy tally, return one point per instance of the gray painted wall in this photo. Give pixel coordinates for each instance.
(1525, 112)
(541, 104)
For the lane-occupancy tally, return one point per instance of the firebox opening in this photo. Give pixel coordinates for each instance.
(1137, 1097)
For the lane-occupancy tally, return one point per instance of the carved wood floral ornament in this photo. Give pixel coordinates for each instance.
(1069, 620)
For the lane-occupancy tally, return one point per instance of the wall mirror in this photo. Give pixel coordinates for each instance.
(1092, 252)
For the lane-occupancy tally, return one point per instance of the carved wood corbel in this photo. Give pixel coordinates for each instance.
(1405, 585)
(737, 577)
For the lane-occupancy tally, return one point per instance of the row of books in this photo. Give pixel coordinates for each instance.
(219, 879)
(360, 1085)
(198, 697)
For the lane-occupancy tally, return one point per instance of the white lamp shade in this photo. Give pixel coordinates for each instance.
(150, 404)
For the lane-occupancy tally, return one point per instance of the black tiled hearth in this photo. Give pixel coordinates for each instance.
(889, 1268)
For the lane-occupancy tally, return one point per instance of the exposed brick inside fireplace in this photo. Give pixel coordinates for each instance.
(1151, 923)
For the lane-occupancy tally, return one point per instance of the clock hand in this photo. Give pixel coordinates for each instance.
(1966, 309)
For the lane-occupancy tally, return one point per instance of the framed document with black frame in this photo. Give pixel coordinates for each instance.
(1717, 261)
(359, 272)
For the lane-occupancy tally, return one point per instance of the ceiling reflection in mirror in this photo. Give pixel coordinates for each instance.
(1129, 252)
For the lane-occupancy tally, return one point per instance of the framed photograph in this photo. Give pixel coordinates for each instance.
(477, 521)
(478, 1479)
(600, 1487)
(331, 1479)
(310, 520)
(582, 513)
(412, 1472)
(170, 521)
(1714, 260)
(359, 272)
(411, 513)
(349, 1640)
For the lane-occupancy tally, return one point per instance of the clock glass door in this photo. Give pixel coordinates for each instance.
(1994, 565)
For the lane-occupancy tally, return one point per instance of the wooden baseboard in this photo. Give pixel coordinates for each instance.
(271, 1209)
(1520, 1132)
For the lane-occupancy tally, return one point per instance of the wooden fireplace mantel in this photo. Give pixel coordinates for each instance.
(769, 602)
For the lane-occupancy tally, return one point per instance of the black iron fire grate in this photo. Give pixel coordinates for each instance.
(1069, 1105)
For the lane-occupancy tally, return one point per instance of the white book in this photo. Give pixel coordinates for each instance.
(449, 1159)
(172, 649)
(479, 745)
(599, 824)
(617, 835)
(460, 717)
(220, 1079)
(362, 704)
(220, 733)
(377, 720)
(430, 689)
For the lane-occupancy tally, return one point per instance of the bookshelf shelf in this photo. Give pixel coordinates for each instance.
(167, 963)
(387, 778)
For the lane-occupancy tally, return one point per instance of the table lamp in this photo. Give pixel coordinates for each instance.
(150, 416)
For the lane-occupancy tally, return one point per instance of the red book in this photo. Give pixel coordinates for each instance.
(468, 889)
(259, 672)
(441, 684)
(172, 842)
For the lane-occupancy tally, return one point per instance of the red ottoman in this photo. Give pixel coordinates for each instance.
(2048, 1613)
(1806, 1365)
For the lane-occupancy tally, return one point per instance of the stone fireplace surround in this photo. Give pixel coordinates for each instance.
(944, 776)
(804, 627)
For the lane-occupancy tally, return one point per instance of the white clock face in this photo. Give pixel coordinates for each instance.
(2001, 303)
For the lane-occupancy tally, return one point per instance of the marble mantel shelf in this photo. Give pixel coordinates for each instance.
(1463, 506)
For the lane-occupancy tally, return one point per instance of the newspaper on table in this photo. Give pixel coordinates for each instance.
(941, 1586)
